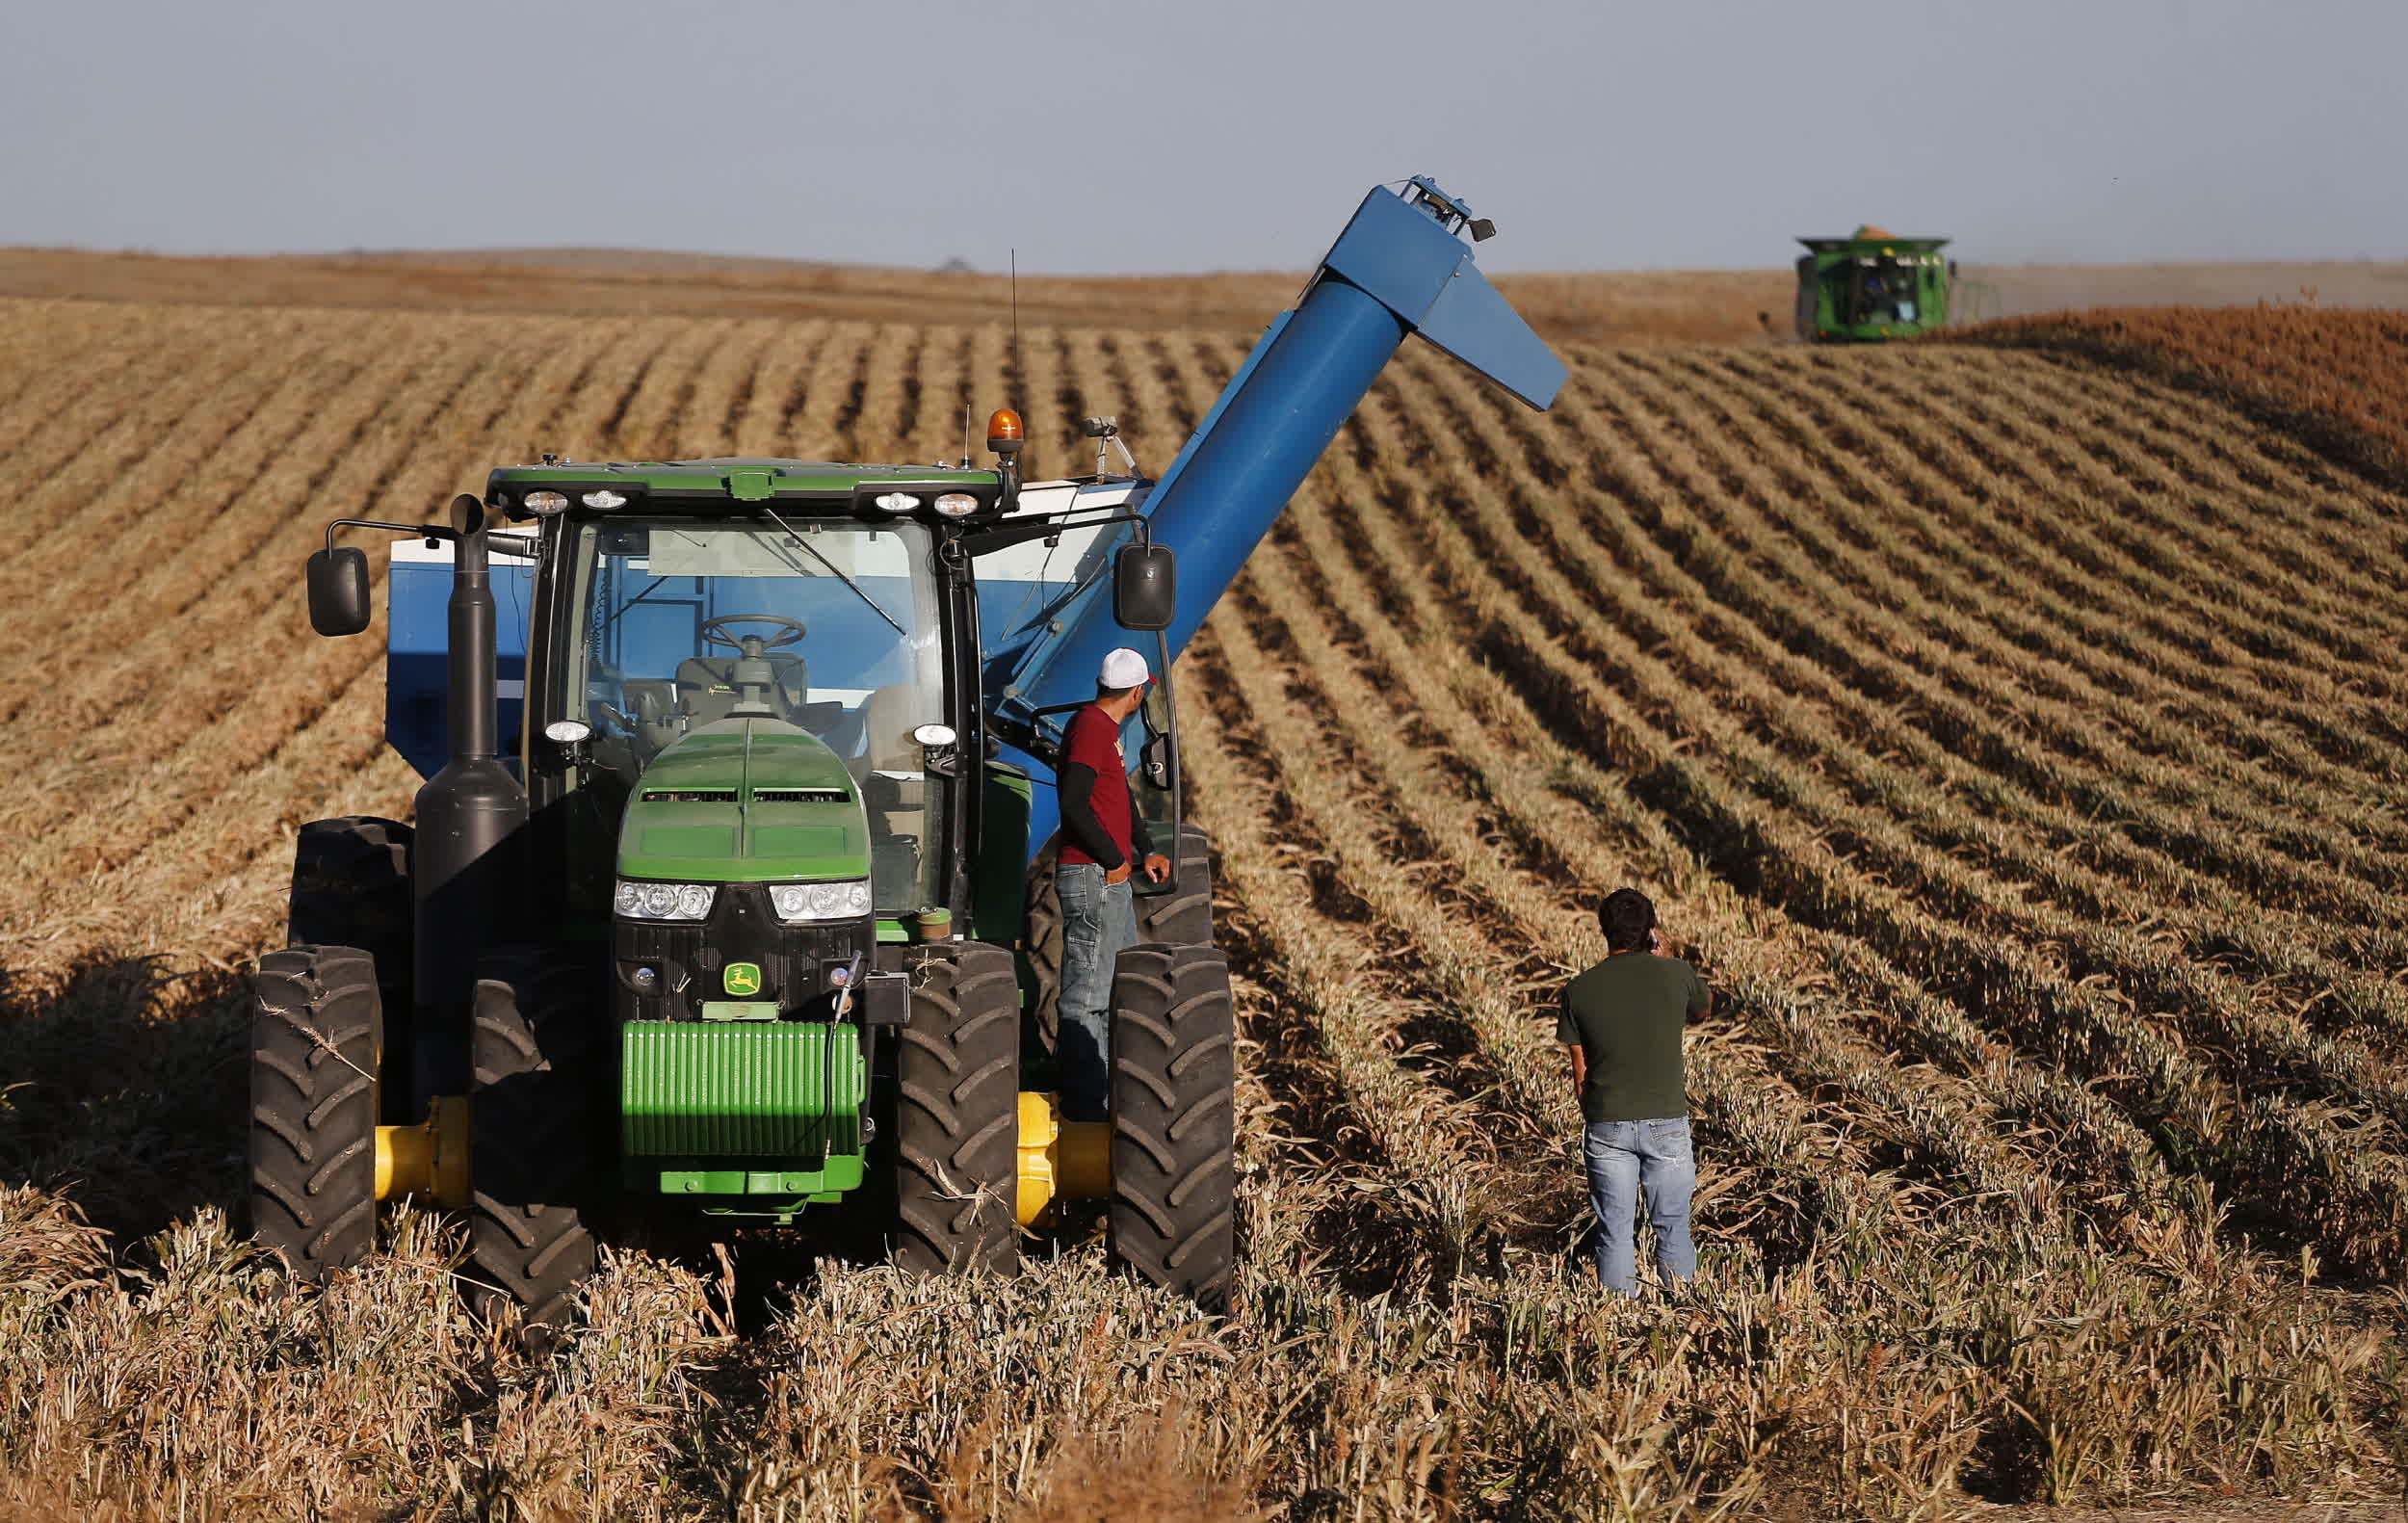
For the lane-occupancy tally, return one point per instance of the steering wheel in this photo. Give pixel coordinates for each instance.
(791, 632)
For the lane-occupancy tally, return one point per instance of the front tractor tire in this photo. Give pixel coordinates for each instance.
(950, 1136)
(538, 1139)
(1173, 1120)
(316, 1026)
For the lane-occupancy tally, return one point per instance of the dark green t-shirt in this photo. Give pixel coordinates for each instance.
(1626, 1014)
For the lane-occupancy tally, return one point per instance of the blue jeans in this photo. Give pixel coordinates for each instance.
(1099, 921)
(1622, 1156)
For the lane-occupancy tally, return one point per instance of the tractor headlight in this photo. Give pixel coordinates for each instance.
(795, 902)
(663, 900)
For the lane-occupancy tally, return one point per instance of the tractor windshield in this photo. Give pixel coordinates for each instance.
(1884, 292)
(846, 615)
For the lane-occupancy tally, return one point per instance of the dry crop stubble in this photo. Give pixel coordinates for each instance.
(2275, 526)
(1939, 811)
(2181, 1091)
(2075, 552)
(1828, 1061)
(1834, 702)
(2158, 977)
(1927, 1027)
(2220, 662)
(1506, 550)
(1919, 669)
(1308, 516)
(2329, 378)
(1469, 858)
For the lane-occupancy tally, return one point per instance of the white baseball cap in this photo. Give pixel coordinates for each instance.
(1123, 668)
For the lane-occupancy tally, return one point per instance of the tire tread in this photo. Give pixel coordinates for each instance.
(535, 1122)
(950, 1145)
(1173, 1120)
(316, 1027)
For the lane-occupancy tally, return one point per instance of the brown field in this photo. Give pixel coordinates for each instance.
(2012, 736)
(2328, 376)
(1634, 307)
(1722, 307)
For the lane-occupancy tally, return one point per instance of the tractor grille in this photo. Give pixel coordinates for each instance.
(690, 961)
(786, 1090)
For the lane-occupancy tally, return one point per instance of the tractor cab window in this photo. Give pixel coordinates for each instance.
(1884, 291)
(681, 620)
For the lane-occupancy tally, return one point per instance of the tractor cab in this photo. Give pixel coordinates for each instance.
(759, 694)
(744, 694)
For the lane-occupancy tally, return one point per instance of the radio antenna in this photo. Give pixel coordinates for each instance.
(1015, 325)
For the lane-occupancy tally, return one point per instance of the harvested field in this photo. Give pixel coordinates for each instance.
(1634, 307)
(2327, 377)
(2013, 738)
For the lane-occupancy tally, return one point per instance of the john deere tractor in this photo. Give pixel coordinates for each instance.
(749, 922)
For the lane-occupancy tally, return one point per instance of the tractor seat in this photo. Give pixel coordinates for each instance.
(650, 702)
(706, 686)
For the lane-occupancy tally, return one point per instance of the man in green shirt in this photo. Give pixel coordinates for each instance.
(1622, 1022)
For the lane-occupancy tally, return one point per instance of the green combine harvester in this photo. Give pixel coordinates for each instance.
(728, 900)
(1871, 286)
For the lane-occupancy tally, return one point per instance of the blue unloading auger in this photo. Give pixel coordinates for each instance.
(1401, 267)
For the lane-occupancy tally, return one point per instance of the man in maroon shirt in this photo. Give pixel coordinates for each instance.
(1102, 835)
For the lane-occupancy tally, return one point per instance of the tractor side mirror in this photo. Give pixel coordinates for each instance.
(338, 590)
(1145, 587)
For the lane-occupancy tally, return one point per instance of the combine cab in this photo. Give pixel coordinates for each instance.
(728, 892)
(1871, 286)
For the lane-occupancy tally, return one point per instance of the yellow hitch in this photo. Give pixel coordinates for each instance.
(429, 1159)
(1058, 1159)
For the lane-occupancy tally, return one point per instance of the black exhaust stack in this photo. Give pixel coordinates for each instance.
(466, 870)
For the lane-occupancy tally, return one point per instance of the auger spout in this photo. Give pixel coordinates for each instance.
(1401, 266)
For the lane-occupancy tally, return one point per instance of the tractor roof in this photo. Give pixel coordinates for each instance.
(709, 486)
(685, 476)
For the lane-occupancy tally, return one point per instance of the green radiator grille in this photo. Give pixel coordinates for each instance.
(785, 1090)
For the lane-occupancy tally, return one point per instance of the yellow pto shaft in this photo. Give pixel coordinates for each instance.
(1059, 1160)
(428, 1160)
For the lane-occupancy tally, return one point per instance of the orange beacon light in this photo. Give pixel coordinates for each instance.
(1004, 433)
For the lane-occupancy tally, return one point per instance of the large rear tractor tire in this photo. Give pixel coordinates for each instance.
(949, 1134)
(1181, 915)
(351, 888)
(316, 1026)
(1173, 1120)
(536, 1118)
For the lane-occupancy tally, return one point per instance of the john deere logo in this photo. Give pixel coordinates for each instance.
(743, 978)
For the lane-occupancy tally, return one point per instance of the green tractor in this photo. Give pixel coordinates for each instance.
(751, 924)
(1871, 286)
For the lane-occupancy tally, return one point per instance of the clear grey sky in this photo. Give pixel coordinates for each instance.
(1208, 135)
